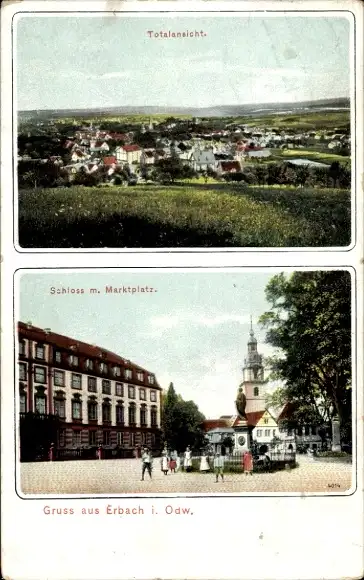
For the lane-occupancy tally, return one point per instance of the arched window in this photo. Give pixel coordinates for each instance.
(153, 416)
(132, 418)
(120, 413)
(59, 404)
(256, 391)
(92, 408)
(143, 415)
(106, 411)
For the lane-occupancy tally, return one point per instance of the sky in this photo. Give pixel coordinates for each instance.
(82, 62)
(192, 331)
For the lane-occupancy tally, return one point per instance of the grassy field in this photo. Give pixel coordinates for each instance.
(311, 121)
(321, 156)
(185, 215)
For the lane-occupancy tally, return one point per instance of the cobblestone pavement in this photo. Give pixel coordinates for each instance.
(123, 476)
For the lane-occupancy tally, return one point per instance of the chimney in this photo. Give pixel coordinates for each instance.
(47, 330)
(29, 324)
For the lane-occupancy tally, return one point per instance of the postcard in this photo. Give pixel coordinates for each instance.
(182, 290)
(209, 131)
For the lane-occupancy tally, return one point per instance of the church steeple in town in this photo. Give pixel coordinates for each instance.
(253, 385)
(253, 365)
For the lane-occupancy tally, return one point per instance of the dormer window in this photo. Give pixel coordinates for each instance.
(151, 379)
(140, 376)
(89, 364)
(103, 367)
(116, 371)
(22, 347)
(128, 373)
(73, 360)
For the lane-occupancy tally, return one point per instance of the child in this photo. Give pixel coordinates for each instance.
(219, 466)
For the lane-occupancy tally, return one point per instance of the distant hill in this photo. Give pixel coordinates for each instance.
(218, 111)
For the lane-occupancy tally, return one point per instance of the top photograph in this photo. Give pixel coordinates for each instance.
(222, 131)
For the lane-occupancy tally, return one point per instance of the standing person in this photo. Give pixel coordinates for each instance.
(164, 463)
(173, 461)
(219, 466)
(188, 459)
(178, 462)
(204, 464)
(146, 462)
(248, 462)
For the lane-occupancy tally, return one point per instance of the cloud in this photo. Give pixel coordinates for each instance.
(117, 75)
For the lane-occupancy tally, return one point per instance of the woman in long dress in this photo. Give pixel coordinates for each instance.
(188, 459)
(248, 463)
(164, 463)
(204, 464)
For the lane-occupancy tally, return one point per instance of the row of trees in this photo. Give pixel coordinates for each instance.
(336, 175)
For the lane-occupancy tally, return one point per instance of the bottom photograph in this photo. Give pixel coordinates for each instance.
(146, 381)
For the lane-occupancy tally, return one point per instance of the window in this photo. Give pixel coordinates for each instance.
(60, 408)
(40, 404)
(132, 439)
(153, 416)
(92, 438)
(256, 392)
(76, 409)
(57, 356)
(89, 365)
(91, 384)
(62, 438)
(106, 438)
(140, 376)
(267, 432)
(119, 438)
(131, 414)
(92, 411)
(39, 374)
(266, 421)
(142, 394)
(151, 379)
(119, 414)
(307, 430)
(58, 378)
(106, 412)
(299, 431)
(23, 403)
(103, 367)
(153, 396)
(117, 371)
(76, 381)
(131, 392)
(119, 389)
(106, 387)
(76, 438)
(73, 360)
(143, 415)
(128, 373)
(39, 351)
(259, 432)
(22, 372)
(313, 431)
(22, 347)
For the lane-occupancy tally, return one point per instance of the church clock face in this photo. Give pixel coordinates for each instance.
(241, 440)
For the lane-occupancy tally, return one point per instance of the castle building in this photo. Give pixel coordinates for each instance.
(99, 397)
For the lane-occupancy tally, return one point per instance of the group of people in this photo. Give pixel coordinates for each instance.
(171, 461)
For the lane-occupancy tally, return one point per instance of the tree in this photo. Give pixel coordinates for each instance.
(170, 169)
(310, 321)
(181, 422)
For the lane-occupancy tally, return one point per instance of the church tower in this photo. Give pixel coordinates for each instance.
(254, 385)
